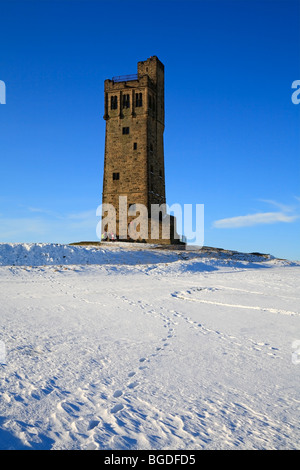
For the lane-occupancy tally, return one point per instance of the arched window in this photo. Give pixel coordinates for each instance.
(138, 100)
(113, 102)
(126, 101)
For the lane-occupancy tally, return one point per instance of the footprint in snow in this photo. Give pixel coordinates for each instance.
(94, 423)
(133, 384)
(117, 408)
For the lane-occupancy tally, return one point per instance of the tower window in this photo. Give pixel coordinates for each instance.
(151, 148)
(151, 169)
(160, 173)
(116, 176)
(138, 100)
(150, 101)
(113, 102)
(126, 101)
(134, 145)
(125, 130)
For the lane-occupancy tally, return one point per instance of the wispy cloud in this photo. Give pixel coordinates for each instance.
(23, 226)
(42, 224)
(254, 219)
(36, 209)
(44, 212)
(83, 215)
(286, 214)
(281, 207)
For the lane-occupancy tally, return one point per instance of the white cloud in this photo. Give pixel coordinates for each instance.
(36, 209)
(44, 212)
(44, 225)
(83, 215)
(285, 214)
(10, 228)
(281, 207)
(254, 219)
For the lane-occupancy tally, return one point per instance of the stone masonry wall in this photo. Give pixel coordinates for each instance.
(134, 149)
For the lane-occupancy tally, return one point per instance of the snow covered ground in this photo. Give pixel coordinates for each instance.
(123, 347)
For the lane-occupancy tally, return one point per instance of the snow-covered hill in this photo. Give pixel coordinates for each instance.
(42, 254)
(134, 347)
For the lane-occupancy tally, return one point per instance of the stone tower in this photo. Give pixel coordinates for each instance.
(134, 146)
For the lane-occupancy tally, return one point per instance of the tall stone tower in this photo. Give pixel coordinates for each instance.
(134, 146)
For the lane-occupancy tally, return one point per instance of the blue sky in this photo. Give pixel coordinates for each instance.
(232, 135)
